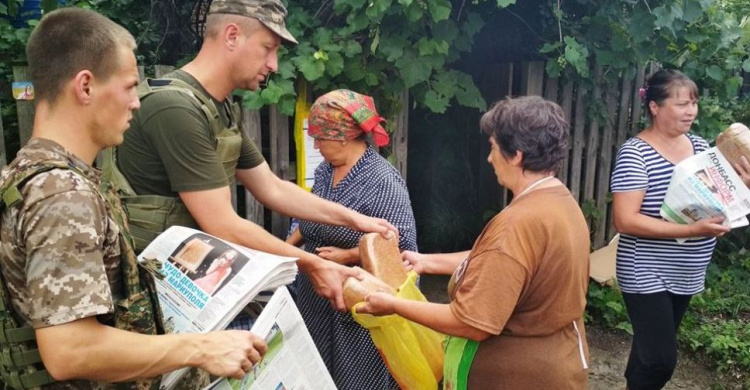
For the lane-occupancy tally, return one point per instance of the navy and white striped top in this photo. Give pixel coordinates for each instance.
(649, 265)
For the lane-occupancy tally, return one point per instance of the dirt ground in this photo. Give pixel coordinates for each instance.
(608, 353)
(609, 350)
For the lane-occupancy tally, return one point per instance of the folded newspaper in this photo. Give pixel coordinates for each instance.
(208, 281)
(292, 360)
(706, 185)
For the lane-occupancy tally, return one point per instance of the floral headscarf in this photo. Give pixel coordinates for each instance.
(342, 115)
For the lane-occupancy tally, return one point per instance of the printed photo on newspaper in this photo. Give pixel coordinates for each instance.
(292, 362)
(703, 186)
(208, 281)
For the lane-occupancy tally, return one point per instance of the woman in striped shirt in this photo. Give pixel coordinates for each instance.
(657, 275)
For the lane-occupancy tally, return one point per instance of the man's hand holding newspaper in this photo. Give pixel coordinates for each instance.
(203, 283)
(230, 353)
(292, 360)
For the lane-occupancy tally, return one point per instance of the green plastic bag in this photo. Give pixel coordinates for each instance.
(459, 354)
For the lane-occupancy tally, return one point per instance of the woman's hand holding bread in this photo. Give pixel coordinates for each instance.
(378, 303)
(414, 261)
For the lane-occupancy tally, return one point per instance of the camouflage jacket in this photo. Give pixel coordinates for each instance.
(65, 253)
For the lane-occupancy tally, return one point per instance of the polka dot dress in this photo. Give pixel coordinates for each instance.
(372, 187)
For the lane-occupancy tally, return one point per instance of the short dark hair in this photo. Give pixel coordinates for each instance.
(216, 22)
(660, 85)
(534, 126)
(69, 40)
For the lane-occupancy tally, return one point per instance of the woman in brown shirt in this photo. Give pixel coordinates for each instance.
(515, 320)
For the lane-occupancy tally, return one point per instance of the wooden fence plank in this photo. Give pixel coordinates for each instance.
(141, 72)
(400, 136)
(576, 154)
(279, 137)
(605, 166)
(623, 116)
(622, 112)
(25, 108)
(251, 126)
(637, 111)
(506, 86)
(3, 151)
(489, 193)
(566, 103)
(532, 78)
(551, 89)
(592, 142)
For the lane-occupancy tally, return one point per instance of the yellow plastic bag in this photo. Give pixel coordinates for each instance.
(412, 352)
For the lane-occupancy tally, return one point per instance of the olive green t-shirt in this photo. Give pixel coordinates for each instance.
(169, 147)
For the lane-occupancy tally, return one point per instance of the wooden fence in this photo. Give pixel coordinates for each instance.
(267, 125)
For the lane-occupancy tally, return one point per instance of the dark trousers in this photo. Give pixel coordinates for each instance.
(653, 355)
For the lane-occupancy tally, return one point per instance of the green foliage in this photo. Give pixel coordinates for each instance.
(594, 215)
(379, 48)
(742, 111)
(162, 30)
(706, 39)
(13, 46)
(716, 325)
(151, 23)
(590, 210)
(718, 322)
(735, 7)
(159, 28)
(605, 307)
(12, 40)
(714, 115)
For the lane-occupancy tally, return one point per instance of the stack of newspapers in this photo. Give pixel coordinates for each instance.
(206, 282)
(706, 185)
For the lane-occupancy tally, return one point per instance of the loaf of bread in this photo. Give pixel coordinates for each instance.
(355, 290)
(734, 142)
(382, 258)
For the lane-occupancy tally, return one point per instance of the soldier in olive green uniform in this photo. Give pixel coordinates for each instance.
(71, 284)
(184, 147)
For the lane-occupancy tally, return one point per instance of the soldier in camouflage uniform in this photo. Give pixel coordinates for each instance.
(67, 263)
(174, 155)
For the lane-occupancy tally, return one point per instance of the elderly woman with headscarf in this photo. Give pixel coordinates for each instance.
(356, 176)
(515, 319)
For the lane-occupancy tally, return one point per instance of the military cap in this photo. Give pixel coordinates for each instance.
(269, 12)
